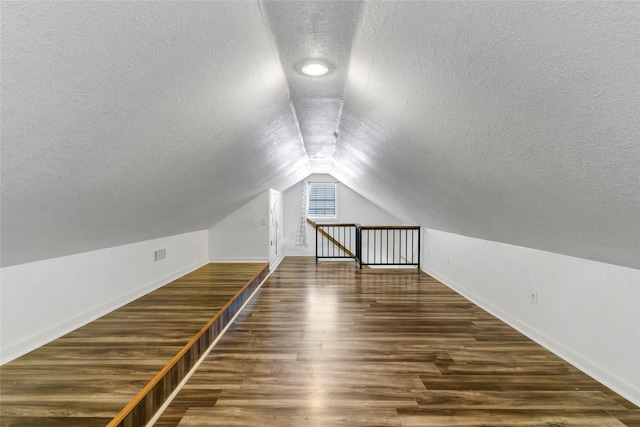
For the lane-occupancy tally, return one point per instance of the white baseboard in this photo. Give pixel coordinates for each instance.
(239, 259)
(619, 385)
(276, 263)
(51, 333)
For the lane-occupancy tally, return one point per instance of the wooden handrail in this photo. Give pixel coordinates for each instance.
(389, 227)
(315, 224)
(160, 375)
(366, 227)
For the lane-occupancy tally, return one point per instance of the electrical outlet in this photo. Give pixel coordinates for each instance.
(533, 298)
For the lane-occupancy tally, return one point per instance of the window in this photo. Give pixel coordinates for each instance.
(322, 200)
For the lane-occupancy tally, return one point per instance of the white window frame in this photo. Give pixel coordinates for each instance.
(323, 217)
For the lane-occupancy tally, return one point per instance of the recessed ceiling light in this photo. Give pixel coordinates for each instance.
(314, 67)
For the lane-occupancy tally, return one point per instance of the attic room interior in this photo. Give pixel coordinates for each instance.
(170, 172)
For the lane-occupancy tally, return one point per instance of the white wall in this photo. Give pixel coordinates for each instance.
(587, 312)
(243, 235)
(43, 300)
(352, 208)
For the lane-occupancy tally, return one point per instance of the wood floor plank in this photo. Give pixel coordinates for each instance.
(485, 399)
(293, 417)
(331, 380)
(521, 382)
(506, 417)
(383, 348)
(631, 417)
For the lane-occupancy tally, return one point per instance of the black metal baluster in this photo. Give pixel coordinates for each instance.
(375, 245)
(412, 246)
(333, 245)
(393, 246)
(406, 245)
(419, 244)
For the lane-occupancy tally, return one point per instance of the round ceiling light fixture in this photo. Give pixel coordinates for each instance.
(314, 67)
(315, 70)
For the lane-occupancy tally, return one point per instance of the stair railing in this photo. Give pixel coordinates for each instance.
(369, 245)
(336, 241)
(392, 245)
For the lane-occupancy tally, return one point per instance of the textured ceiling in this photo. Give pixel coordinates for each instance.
(517, 122)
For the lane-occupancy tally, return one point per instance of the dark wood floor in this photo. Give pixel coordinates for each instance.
(329, 345)
(86, 377)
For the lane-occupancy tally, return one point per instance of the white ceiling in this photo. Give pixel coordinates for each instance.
(517, 122)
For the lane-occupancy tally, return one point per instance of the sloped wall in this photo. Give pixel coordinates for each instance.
(242, 236)
(586, 312)
(44, 300)
(352, 208)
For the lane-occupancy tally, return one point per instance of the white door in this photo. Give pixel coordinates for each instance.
(276, 234)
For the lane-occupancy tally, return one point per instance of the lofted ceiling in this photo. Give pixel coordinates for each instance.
(517, 122)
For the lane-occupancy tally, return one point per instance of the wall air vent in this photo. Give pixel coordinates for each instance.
(159, 255)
